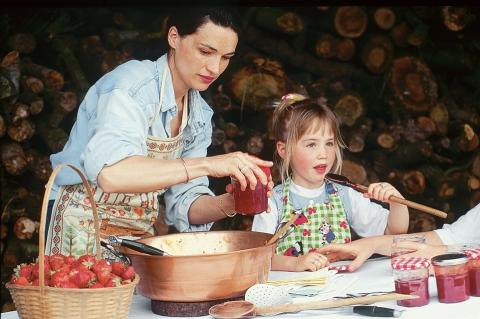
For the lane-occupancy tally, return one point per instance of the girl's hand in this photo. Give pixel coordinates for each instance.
(382, 192)
(241, 166)
(312, 261)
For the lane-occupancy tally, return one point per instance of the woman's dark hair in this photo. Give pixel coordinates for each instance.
(187, 21)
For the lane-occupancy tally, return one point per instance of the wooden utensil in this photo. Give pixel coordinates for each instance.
(342, 180)
(245, 309)
(282, 229)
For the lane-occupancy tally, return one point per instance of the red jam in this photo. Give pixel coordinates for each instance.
(418, 287)
(474, 274)
(453, 288)
(251, 202)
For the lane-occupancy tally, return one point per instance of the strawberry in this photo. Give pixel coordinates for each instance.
(118, 268)
(59, 279)
(83, 279)
(87, 260)
(114, 281)
(70, 259)
(24, 270)
(21, 281)
(103, 270)
(97, 285)
(36, 269)
(65, 268)
(56, 261)
(129, 273)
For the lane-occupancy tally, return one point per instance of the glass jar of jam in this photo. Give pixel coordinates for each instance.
(451, 274)
(474, 270)
(251, 202)
(411, 278)
(397, 251)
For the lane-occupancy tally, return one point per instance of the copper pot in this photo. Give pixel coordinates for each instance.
(203, 266)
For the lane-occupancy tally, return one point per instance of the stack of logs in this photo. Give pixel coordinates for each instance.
(404, 83)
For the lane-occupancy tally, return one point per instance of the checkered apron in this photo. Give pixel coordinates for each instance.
(318, 224)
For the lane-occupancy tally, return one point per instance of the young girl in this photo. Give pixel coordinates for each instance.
(308, 144)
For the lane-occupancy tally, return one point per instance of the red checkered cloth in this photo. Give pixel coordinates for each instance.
(342, 268)
(410, 263)
(473, 253)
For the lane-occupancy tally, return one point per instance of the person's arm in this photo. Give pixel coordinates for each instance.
(360, 250)
(115, 156)
(398, 218)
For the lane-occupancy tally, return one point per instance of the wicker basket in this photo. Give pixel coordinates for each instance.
(48, 302)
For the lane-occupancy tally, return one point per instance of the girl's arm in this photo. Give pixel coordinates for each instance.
(398, 219)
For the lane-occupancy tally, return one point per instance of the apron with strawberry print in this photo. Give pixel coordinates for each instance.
(71, 230)
(318, 224)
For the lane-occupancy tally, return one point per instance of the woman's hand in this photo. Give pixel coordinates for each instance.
(241, 166)
(381, 192)
(420, 250)
(312, 261)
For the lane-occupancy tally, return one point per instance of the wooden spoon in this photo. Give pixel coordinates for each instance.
(245, 309)
(282, 230)
(342, 180)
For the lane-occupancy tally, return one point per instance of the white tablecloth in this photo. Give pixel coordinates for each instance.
(374, 275)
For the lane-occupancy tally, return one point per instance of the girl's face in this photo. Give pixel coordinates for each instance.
(200, 58)
(313, 156)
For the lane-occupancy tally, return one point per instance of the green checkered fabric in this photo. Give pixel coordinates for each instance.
(319, 224)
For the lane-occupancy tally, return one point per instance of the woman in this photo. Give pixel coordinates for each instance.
(463, 231)
(143, 129)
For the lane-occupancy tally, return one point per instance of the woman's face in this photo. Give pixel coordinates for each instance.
(200, 58)
(313, 156)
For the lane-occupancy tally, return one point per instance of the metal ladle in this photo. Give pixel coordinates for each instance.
(266, 300)
(342, 180)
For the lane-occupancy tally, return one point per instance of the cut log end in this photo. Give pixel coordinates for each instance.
(349, 108)
(377, 54)
(456, 18)
(413, 84)
(414, 182)
(384, 18)
(350, 21)
(345, 49)
(326, 46)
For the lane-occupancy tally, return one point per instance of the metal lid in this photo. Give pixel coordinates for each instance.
(449, 259)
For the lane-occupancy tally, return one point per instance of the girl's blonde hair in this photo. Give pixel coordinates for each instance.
(292, 118)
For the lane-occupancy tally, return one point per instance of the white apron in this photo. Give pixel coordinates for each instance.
(71, 230)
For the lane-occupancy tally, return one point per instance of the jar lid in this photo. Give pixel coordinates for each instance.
(449, 259)
(473, 253)
(410, 263)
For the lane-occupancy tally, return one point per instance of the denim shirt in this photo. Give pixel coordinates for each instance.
(113, 124)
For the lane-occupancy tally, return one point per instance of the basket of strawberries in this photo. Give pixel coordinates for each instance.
(59, 286)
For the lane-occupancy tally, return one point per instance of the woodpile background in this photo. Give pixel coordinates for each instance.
(405, 83)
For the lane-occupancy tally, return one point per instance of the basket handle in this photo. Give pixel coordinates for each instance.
(43, 215)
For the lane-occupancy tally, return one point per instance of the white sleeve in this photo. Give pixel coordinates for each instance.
(367, 218)
(463, 231)
(266, 222)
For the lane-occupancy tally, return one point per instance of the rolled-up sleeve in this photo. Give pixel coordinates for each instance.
(180, 197)
(118, 131)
